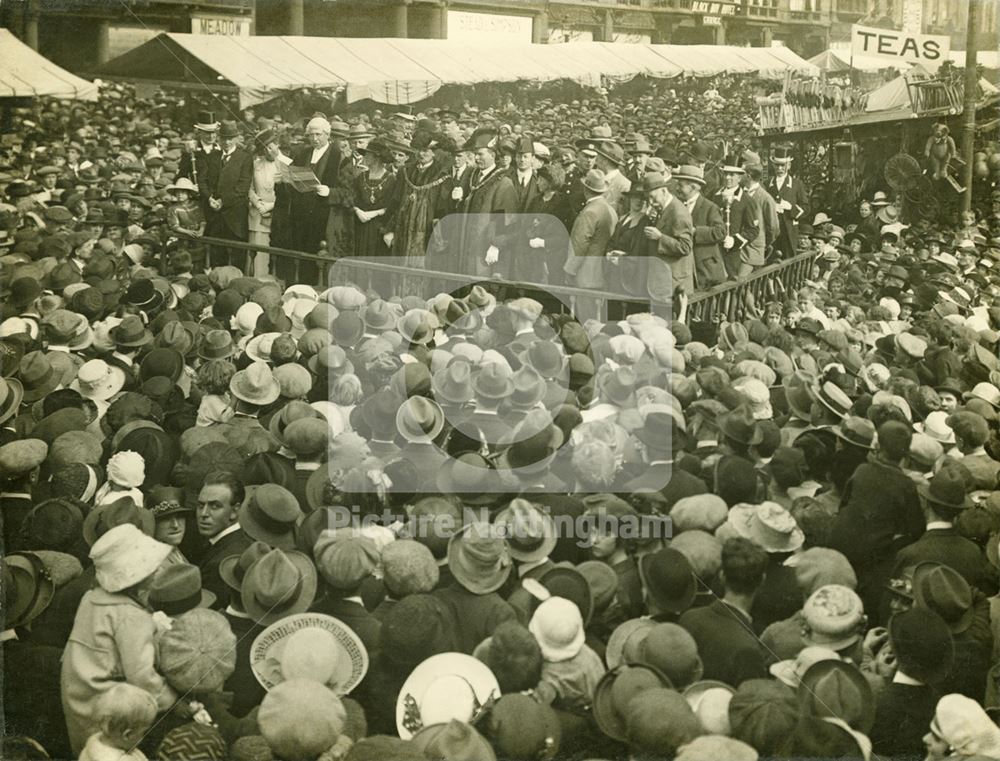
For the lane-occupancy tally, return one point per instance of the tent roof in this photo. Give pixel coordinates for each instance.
(893, 95)
(408, 70)
(25, 74)
(829, 61)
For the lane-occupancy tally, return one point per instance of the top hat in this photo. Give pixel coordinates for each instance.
(781, 154)
(206, 121)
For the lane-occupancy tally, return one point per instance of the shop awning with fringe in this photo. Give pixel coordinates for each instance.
(400, 71)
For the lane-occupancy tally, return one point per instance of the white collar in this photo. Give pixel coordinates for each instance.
(931, 525)
(306, 466)
(15, 494)
(7, 635)
(661, 462)
(354, 598)
(231, 611)
(524, 332)
(900, 678)
(225, 532)
(612, 173)
(693, 199)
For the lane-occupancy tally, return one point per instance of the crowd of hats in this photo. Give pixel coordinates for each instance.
(468, 428)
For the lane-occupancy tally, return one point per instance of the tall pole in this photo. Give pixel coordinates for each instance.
(969, 106)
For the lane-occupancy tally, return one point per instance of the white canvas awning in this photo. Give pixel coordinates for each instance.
(26, 74)
(399, 71)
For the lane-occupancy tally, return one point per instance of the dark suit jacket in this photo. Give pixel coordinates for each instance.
(476, 615)
(232, 187)
(670, 481)
(676, 248)
(351, 614)
(778, 598)
(796, 194)
(490, 205)
(308, 211)
(231, 544)
(944, 545)
(247, 691)
(709, 232)
(525, 195)
(746, 227)
(589, 238)
(203, 170)
(902, 717)
(726, 643)
(879, 502)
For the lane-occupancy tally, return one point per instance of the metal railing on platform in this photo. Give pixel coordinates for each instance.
(730, 301)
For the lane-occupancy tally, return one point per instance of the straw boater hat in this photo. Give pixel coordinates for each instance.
(309, 646)
(444, 687)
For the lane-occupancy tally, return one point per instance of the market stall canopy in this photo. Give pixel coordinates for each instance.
(26, 74)
(830, 62)
(893, 95)
(399, 71)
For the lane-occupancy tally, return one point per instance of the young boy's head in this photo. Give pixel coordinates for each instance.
(125, 713)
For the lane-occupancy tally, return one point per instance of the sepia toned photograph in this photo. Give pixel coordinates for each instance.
(500, 380)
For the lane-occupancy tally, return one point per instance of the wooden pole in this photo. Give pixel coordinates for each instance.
(969, 107)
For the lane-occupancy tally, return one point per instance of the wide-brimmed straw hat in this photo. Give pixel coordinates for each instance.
(309, 646)
(444, 687)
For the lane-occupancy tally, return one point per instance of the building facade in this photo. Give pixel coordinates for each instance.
(80, 34)
(802, 25)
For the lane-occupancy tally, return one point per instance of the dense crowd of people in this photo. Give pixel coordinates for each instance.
(250, 518)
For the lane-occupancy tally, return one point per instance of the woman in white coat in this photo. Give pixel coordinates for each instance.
(112, 638)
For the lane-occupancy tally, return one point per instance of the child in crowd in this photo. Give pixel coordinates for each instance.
(125, 713)
(216, 405)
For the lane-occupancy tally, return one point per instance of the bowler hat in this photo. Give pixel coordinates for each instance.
(668, 579)
(617, 688)
(945, 489)
(923, 644)
(653, 181)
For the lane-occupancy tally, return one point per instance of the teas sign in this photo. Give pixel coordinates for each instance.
(226, 26)
(901, 47)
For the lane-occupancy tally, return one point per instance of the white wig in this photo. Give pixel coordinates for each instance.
(319, 121)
